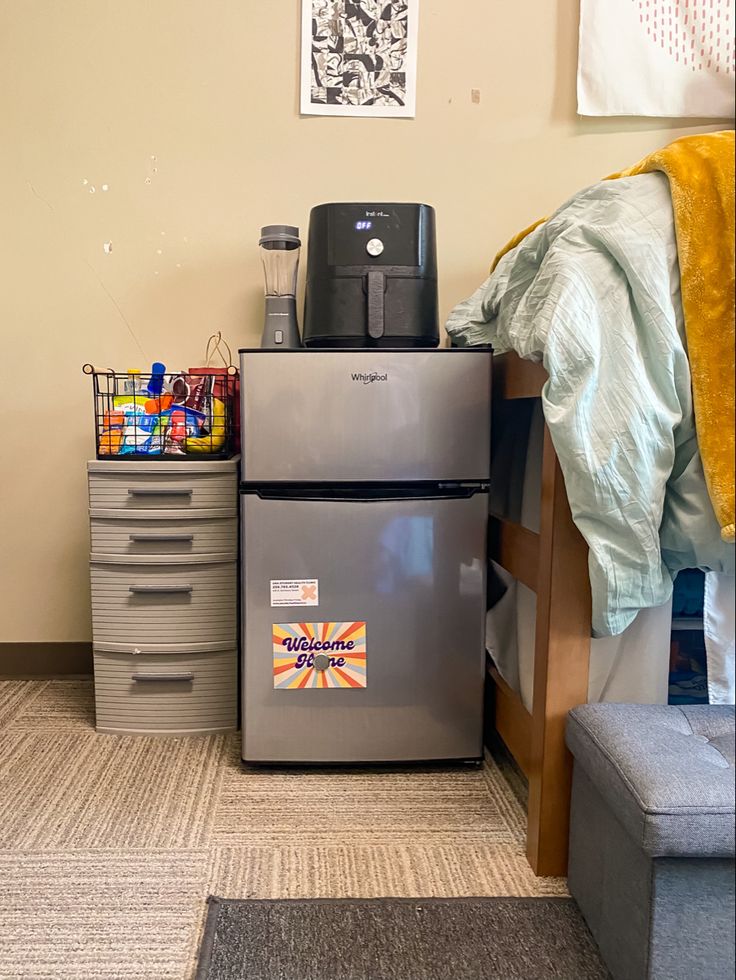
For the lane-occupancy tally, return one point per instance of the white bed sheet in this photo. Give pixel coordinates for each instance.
(719, 621)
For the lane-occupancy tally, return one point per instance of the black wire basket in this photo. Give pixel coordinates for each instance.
(165, 416)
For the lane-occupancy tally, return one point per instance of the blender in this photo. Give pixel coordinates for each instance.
(280, 245)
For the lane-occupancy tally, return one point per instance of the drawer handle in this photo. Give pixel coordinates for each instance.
(186, 676)
(145, 538)
(149, 589)
(160, 491)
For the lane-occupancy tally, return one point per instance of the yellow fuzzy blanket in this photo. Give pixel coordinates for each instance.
(700, 170)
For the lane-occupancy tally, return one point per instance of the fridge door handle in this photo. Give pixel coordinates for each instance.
(366, 493)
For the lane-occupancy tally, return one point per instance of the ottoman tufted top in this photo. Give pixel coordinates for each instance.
(667, 772)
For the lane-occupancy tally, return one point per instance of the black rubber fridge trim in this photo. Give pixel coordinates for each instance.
(421, 490)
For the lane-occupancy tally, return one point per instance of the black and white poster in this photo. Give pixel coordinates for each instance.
(359, 57)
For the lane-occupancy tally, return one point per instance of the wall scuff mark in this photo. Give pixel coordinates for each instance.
(114, 302)
(42, 199)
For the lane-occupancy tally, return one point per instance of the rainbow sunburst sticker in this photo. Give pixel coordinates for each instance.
(319, 655)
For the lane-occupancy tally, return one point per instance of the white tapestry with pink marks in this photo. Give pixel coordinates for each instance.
(657, 58)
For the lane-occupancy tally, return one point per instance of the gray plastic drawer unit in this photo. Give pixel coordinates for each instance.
(174, 541)
(163, 569)
(166, 694)
(168, 603)
(133, 487)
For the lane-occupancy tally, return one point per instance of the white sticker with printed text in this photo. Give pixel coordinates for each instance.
(294, 592)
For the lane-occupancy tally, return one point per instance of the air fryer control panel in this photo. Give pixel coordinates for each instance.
(360, 234)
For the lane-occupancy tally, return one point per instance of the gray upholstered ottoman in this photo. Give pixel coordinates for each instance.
(652, 837)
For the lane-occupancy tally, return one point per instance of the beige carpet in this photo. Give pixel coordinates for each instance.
(109, 846)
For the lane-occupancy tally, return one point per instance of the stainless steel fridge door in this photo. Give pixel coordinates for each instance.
(413, 572)
(365, 415)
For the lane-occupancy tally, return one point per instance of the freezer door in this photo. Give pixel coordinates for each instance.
(404, 582)
(365, 415)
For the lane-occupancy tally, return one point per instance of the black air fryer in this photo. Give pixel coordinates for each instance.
(371, 276)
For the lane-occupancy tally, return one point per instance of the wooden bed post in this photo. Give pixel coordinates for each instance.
(554, 565)
(561, 662)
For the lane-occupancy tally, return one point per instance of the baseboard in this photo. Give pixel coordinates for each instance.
(31, 660)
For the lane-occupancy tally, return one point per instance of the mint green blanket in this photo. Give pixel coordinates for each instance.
(594, 293)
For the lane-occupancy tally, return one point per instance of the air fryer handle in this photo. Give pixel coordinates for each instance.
(376, 290)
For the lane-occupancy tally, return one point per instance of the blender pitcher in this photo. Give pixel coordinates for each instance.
(280, 247)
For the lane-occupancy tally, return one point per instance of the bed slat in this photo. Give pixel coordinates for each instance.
(513, 722)
(516, 549)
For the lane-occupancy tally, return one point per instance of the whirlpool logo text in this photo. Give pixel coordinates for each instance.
(368, 379)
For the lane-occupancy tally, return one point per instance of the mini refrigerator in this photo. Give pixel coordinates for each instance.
(364, 505)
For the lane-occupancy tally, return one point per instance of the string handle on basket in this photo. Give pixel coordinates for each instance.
(214, 346)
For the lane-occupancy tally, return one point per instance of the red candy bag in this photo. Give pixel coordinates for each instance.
(225, 386)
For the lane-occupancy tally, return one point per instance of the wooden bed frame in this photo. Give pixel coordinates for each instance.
(554, 564)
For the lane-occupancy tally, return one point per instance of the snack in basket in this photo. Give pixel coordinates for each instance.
(111, 436)
(214, 432)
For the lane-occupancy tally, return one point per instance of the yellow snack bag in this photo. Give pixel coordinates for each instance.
(213, 442)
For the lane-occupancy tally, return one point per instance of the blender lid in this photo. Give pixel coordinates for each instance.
(279, 233)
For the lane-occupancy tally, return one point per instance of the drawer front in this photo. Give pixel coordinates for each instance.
(168, 694)
(131, 492)
(164, 604)
(172, 540)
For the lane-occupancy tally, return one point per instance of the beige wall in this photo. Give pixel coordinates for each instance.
(187, 110)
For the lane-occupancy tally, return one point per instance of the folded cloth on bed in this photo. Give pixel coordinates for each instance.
(701, 175)
(700, 170)
(594, 292)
